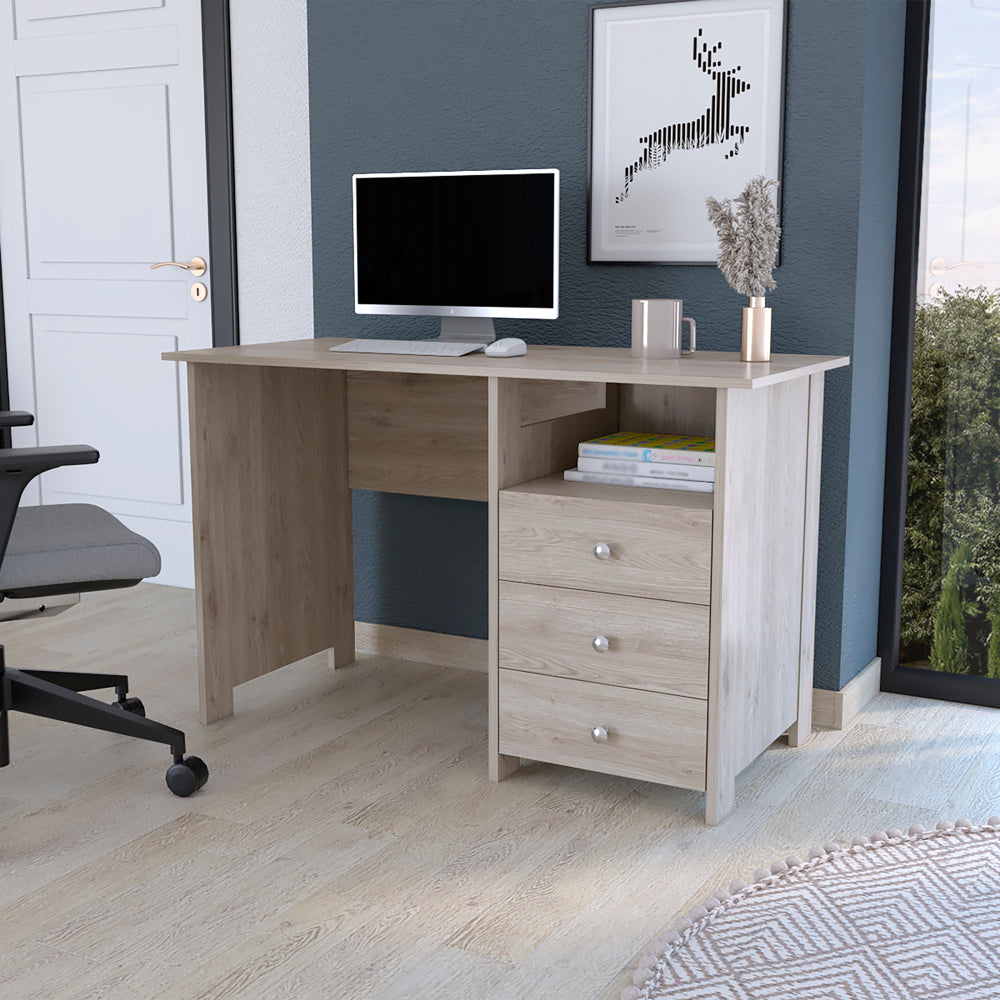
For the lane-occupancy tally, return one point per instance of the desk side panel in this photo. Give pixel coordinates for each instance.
(802, 729)
(757, 565)
(272, 518)
(504, 427)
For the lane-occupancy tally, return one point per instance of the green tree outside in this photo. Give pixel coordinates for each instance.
(950, 646)
(951, 552)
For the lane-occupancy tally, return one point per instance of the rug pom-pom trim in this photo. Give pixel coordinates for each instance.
(684, 928)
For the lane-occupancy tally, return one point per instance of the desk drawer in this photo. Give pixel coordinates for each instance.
(654, 551)
(654, 645)
(424, 435)
(653, 737)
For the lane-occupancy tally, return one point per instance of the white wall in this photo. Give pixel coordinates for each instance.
(271, 147)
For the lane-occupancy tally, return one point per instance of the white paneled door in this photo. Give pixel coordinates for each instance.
(102, 175)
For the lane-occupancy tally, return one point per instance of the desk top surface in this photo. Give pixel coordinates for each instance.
(713, 369)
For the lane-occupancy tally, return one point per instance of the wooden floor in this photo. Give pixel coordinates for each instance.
(348, 843)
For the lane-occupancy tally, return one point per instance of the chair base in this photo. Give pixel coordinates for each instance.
(56, 695)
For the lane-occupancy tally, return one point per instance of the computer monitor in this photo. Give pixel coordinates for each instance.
(466, 246)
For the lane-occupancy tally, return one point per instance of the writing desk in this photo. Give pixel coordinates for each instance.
(706, 601)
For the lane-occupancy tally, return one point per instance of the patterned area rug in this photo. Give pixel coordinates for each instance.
(899, 917)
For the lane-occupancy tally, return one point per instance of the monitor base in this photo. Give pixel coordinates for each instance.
(471, 329)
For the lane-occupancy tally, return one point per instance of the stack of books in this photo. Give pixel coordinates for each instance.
(662, 461)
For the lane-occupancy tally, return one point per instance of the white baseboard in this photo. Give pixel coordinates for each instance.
(838, 709)
(831, 709)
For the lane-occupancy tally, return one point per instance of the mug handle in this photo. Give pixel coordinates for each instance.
(691, 329)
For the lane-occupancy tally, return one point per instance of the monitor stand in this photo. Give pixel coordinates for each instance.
(471, 329)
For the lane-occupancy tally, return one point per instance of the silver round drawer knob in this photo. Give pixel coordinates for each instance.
(600, 734)
(602, 550)
(601, 643)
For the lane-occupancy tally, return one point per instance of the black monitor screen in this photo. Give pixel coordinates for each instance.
(484, 241)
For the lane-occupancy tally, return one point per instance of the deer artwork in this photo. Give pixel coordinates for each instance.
(714, 127)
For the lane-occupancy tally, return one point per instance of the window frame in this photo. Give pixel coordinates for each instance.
(895, 678)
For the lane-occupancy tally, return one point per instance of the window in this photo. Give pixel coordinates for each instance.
(940, 608)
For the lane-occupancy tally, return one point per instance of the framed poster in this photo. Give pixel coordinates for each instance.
(686, 101)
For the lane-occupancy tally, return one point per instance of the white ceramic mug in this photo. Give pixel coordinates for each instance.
(656, 328)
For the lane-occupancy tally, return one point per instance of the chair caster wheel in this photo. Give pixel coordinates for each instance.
(132, 705)
(187, 776)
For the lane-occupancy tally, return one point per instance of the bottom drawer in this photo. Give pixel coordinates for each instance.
(654, 737)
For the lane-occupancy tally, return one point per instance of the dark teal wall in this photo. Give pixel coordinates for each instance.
(872, 322)
(478, 84)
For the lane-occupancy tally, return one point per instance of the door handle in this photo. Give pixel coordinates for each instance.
(197, 266)
(939, 265)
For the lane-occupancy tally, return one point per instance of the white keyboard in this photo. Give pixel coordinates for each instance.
(438, 348)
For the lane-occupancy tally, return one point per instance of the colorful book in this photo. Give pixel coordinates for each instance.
(656, 470)
(691, 485)
(637, 447)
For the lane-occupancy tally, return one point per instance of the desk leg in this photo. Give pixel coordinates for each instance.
(720, 797)
(272, 522)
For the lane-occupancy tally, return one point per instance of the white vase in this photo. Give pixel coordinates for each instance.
(756, 344)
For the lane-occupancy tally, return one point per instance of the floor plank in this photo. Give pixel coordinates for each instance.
(349, 843)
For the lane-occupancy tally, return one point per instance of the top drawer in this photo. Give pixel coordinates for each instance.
(649, 549)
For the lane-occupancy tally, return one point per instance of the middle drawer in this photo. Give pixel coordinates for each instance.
(627, 641)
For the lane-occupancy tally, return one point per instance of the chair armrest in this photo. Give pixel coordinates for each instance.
(18, 466)
(16, 418)
(32, 461)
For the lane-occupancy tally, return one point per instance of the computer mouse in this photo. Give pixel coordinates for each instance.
(509, 347)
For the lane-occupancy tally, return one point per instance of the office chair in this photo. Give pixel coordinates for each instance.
(50, 552)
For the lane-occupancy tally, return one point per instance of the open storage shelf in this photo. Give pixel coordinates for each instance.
(553, 424)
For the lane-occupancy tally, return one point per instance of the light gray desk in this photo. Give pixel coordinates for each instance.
(708, 599)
